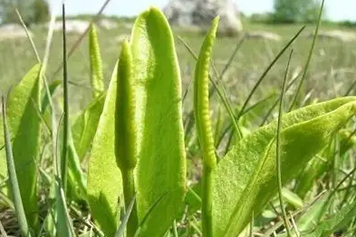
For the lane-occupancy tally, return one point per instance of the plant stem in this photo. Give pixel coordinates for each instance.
(207, 202)
(129, 192)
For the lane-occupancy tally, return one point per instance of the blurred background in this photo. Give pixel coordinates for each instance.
(265, 25)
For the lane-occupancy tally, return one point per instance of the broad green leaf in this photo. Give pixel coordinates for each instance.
(24, 123)
(84, 127)
(96, 70)
(104, 178)
(246, 178)
(161, 169)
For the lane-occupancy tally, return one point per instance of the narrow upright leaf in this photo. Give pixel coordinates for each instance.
(64, 226)
(16, 195)
(245, 178)
(3, 167)
(77, 181)
(121, 231)
(104, 177)
(85, 126)
(96, 70)
(161, 169)
(24, 122)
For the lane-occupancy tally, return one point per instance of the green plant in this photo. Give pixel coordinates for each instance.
(132, 138)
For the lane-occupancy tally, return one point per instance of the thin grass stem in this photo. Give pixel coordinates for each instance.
(264, 74)
(65, 145)
(309, 58)
(278, 147)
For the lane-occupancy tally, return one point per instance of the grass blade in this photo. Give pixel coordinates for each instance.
(64, 224)
(309, 58)
(2, 230)
(276, 102)
(231, 59)
(263, 76)
(80, 39)
(120, 232)
(28, 36)
(349, 90)
(278, 147)
(15, 189)
(66, 128)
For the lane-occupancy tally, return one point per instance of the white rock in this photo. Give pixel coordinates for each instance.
(343, 36)
(199, 13)
(72, 26)
(76, 26)
(12, 31)
(127, 26)
(108, 24)
(263, 35)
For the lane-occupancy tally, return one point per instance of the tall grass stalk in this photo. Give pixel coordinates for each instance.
(264, 74)
(259, 81)
(82, 36)
(301, 82)
(278, 147)
(65, 145)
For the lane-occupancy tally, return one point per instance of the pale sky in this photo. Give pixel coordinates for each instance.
(336, 10)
